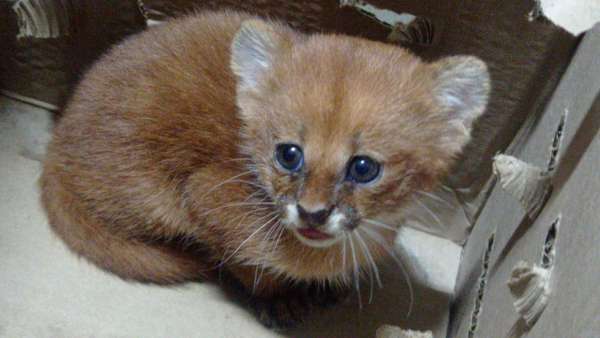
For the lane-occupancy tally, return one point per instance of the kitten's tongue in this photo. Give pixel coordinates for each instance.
(313, 234)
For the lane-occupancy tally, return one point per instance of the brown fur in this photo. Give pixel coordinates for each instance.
(136, 176)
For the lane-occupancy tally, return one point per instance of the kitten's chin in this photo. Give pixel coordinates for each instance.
(316, 242)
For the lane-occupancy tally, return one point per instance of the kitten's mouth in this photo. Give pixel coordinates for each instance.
(315, 238)
(314, 234)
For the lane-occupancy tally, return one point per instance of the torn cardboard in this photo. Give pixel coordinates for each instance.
(527, 183)
(47, 45)
(41, 19)
(388, 331)
(569, 311)
(530, 287)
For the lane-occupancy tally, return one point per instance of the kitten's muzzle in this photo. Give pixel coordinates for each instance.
(314, 218)
(320, 228)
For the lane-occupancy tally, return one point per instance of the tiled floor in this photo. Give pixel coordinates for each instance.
(45, 291)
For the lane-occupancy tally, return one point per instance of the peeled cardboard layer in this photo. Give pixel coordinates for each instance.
(389, 331)
(529, 184)
(42, 19)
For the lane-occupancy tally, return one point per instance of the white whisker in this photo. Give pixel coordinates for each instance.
(369, 266)
(344, 254)
(254, 184)
(356, 273)
(370, 258)
(225, 182)
(238, 159)
(280, 234)
(261, 264)
(255, 283)
(251, 235)
(447, 188)
(243, 216)
(379, 224)
(374, 235)
(237, 204)
(429, 211)
(436, 198)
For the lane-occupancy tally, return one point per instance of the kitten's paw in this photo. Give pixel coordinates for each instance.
(290, 309)
(327, 296)
(281, 312)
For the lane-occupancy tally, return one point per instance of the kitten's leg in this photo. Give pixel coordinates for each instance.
(281, 304)
(129, 259)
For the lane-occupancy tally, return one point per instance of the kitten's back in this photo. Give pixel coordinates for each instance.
(129, 138)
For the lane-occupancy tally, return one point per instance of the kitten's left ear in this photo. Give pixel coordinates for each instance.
(462, 88)
(253, 51)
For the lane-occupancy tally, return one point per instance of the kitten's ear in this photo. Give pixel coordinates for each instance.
(462, 88)
(253, 50)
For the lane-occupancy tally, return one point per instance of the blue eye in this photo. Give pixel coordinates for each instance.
(290, 157)
(363, 169)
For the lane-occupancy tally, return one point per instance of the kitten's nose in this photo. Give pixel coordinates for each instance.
(314, 218)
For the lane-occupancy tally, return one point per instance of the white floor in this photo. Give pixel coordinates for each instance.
(45, 291)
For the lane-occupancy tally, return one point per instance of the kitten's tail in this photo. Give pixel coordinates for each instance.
(129, 259)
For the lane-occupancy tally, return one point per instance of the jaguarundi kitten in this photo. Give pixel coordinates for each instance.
(284, 157)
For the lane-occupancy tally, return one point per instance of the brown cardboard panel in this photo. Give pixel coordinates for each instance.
(306, 15)
(502, 215)
(46, 69)
(439, 13)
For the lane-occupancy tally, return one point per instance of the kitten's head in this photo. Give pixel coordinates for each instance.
(341, 130)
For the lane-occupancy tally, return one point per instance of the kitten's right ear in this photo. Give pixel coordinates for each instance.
(253, 50)
(462, 88)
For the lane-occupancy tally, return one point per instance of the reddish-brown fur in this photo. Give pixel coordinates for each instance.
(136, 166)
